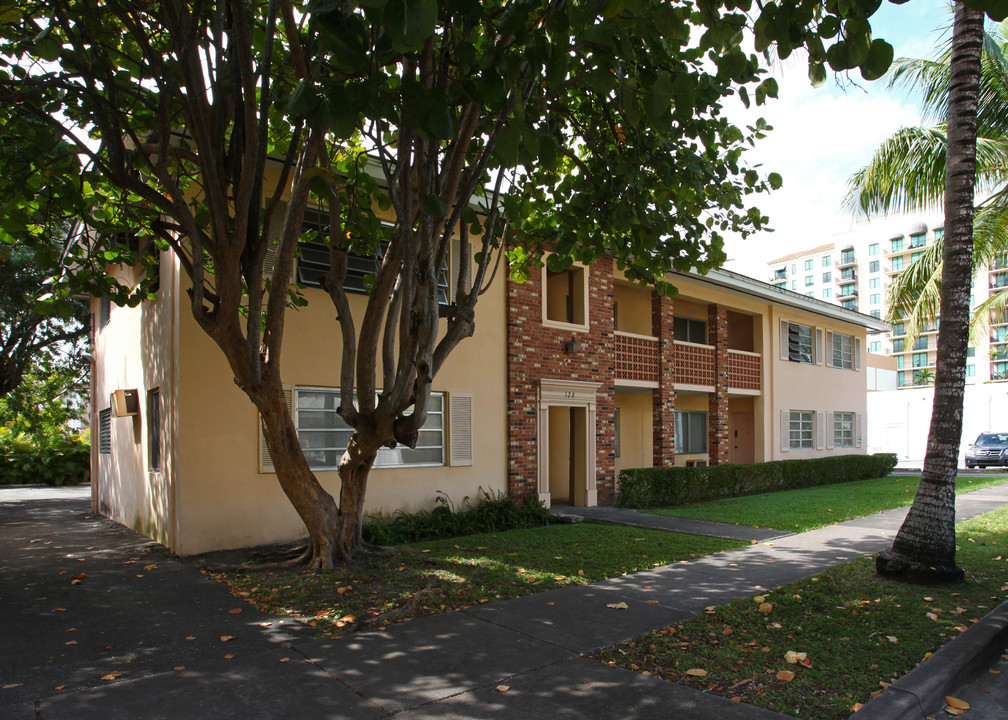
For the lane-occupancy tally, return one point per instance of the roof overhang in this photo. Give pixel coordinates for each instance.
(738, 283)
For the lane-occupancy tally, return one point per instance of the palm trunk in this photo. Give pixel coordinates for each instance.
(924, 548)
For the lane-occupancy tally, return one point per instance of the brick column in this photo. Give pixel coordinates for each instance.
(717, 417)
(663, 397)
(535, 353)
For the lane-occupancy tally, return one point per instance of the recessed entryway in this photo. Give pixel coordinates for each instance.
(566, 445)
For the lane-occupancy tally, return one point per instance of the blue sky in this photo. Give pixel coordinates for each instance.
(821, 136)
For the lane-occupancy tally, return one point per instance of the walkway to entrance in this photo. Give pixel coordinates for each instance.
(636, 518)
(144, 635)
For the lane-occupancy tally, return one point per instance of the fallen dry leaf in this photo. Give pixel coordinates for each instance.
(652, 602)
(617, 606)
(70, 642)
(892, 638)
(111, 676)
(956, 703)
(785, 675)
(503, 688)
(229, 656)
(13, 685)
(793, 657)
(226, 638)
(58, 610)
(79, 576)
(285, 659)
(697, 672)
(857, 706)
(234, 611)
(765, 607)
(954, 711)
(932, 616)
(179, 668)
(152, 566)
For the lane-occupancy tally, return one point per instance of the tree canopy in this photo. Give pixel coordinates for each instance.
(586, 128)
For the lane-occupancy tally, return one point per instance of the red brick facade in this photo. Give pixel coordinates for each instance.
(663, 397)
(717, 415)
(537, 352)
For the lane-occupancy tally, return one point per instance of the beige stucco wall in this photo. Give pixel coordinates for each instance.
(633, 309)
(817, 387)
(223, 499)
(785, 384)
(136, 349)
(636, 425)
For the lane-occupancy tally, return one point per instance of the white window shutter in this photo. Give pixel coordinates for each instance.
(784, 353)
(857, 353)
(785, 430)
(820, 430)
(818, 356)
(858, 424)
(828, 352)
(265, 461)
(829, 430)
(460, 429)
(273, 240)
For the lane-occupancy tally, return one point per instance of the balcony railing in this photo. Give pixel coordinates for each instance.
(744, 370)
(694, 364)
(637, 361)
(636, 357)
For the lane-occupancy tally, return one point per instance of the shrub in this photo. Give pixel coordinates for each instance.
(493, 513)
(53, 459)
(656, 487)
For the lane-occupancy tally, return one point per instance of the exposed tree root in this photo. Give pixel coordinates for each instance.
(892, 564)
(429, 590)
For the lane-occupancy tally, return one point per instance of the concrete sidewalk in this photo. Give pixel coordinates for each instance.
(149, 623)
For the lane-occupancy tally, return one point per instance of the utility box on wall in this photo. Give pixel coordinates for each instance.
(125, 403)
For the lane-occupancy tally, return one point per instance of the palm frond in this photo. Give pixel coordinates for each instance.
(906, 173)
(929, 78)
(915, 293)
(993, 309)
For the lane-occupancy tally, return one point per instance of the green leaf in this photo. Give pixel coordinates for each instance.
(775, 180)
(880, 57)
(435, 206)
(320, 186)
(410, 22)
(817, 74)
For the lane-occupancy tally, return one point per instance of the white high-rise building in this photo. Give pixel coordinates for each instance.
(855, 271)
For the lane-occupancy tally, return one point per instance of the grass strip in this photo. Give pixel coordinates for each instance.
(468, 571)
(858, 632)
(810, 508)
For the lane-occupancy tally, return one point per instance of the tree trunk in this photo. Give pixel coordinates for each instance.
(924, 548)
(316, 507)
(354, 468)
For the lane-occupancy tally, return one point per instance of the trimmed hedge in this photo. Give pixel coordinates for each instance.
(658, 487)
(494, 512)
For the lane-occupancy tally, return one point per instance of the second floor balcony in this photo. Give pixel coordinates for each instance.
(693, 365)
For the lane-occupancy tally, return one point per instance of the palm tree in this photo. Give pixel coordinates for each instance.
(907, 173)
(923, 377)
(924, 547)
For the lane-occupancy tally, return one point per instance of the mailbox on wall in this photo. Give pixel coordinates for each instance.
(125, 403)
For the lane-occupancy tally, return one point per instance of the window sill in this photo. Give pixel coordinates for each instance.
(557, 325)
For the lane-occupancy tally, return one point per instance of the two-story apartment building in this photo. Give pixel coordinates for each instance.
(569, 378)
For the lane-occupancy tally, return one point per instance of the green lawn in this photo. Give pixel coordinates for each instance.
(858, 631)
(466, 571)
(801, 510)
